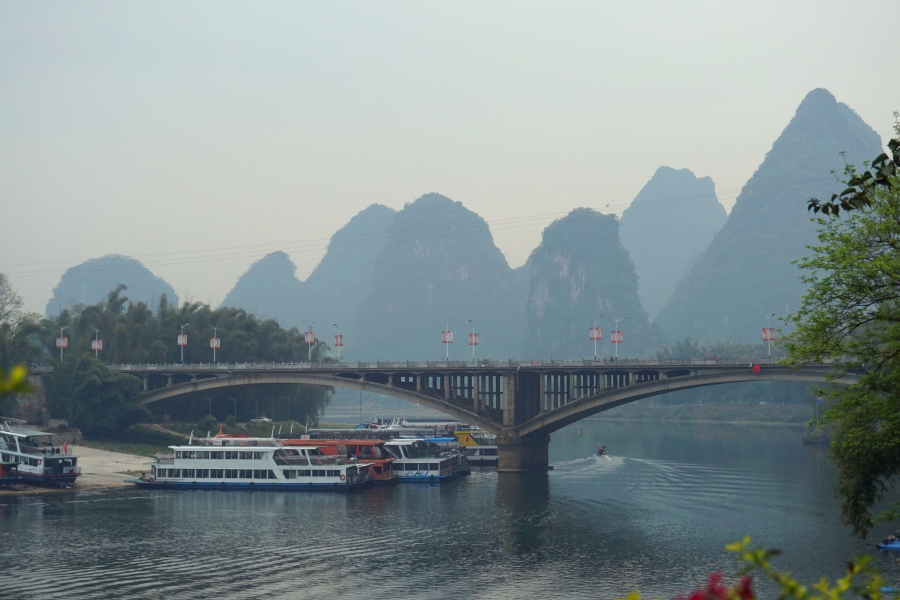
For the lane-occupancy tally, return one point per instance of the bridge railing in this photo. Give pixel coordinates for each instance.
(438, 364)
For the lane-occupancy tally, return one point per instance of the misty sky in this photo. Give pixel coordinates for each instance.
(150, 129)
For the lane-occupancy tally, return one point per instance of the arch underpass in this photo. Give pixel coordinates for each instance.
(521, 404)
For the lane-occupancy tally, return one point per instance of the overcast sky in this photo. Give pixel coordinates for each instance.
(151, 128)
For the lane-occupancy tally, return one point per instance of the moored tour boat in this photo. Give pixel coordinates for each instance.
(363, 451)
(427, 460)
(37, 463)
(233, 462)
(479, 446)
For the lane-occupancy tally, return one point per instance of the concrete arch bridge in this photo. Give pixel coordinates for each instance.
(523, 403)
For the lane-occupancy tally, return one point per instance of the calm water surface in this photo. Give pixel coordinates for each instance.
(654, 515)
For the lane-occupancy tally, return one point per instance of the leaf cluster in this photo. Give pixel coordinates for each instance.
(859, 581)
(861, 186)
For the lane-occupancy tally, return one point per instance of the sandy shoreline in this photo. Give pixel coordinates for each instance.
(100, 469)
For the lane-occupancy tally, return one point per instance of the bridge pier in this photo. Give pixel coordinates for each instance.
(522, 454)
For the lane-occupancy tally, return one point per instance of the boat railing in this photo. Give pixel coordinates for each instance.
(291, 460)
(165, 459)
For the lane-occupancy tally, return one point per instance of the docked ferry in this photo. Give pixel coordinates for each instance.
(229, 462)
(428, 459)
(37, 462)
(363, 451)
(479, 446)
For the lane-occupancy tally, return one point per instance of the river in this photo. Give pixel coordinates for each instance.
(654, 515)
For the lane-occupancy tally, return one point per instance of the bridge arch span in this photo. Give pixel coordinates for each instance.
(279, 377)
(550, 421)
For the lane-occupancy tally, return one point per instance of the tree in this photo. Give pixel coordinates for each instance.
(10, 301)
(93, 398)
(851, 316)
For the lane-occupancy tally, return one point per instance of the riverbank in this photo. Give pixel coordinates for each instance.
(797, 415)
(100, 470)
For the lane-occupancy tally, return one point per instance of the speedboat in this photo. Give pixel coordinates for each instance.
(601, 450)
(891, 543)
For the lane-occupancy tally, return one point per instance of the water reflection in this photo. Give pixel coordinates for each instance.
(523, 501)
(654, 514)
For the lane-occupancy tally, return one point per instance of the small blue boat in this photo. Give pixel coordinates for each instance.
(889, 590)
(892, 545)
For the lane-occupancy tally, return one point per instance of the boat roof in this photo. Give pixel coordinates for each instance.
(19, 431)
(323, 443)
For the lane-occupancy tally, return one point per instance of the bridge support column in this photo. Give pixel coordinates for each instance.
(521, 455)
(169, 381)
(146, 383)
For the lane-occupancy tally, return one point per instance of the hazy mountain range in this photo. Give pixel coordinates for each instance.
(674, 264)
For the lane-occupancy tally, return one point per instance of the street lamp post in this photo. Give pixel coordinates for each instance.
(235, 408)
(767, 333)
(61, 329)
(595, 337)
(448, 342)
(338, 342)
(472, 341)
(96, 342)
(210, 404)
(182, 345)
(215, 340)
(617, 333)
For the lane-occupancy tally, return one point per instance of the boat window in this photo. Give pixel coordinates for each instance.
(433, 467)
(246, 474)
(178, 454)
(289, 474)
(304, 473)
(246, 456)
(318, 473)
(174, 472)
(333, 473)
(257, 455)
(393, 451)
(231, 473)
(489, 452)
(231, 455)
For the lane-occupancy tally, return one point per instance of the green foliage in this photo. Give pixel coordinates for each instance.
(231, 421)
(133, 333)
(862, 186)
(859, 581)
(690, 348)
(206, 423)
(851, 316)
(93, 398)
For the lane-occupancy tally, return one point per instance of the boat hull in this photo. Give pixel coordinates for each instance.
(273, 487)
(432, 478)
(47, 480)
(891, 546)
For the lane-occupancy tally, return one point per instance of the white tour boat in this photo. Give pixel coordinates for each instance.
(229, 462)
(39, 463)
(428, 459)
